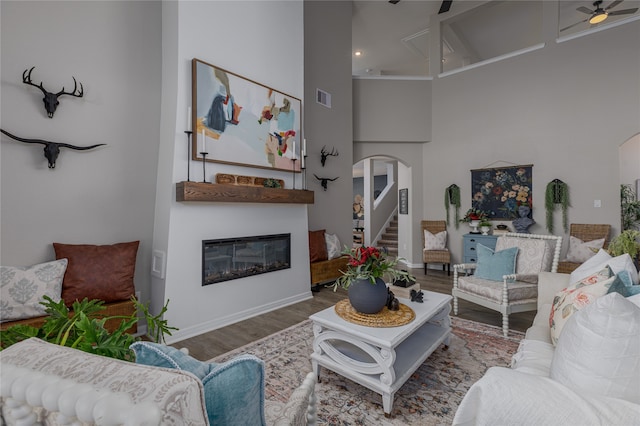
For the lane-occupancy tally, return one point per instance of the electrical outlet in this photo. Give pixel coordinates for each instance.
(597, 203)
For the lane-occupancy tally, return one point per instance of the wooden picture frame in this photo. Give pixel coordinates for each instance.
(242, 122)
(500, 191)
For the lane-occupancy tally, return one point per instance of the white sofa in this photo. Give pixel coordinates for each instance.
(43, 383)
(529, 393)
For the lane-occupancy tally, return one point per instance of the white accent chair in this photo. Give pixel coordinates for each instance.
(516, 292)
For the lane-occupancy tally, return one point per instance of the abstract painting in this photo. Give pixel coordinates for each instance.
(239, 121)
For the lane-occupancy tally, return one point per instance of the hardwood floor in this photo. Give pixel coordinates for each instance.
(217, 342)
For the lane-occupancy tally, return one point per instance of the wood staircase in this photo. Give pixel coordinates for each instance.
(389, 238)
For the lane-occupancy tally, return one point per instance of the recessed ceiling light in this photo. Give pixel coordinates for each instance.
(358, 53)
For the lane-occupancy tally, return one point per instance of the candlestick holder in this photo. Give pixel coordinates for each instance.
(188, 132)
(304, 172)
(204, 172)
(293, 170)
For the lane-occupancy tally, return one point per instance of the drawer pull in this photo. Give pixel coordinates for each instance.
(472, 240)
(472, 248)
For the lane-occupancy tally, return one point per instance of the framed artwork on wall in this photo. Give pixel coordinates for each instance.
(242, 122)
(500, 191)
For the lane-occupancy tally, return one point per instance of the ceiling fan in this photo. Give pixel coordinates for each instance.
(444, 7)
(599, 14)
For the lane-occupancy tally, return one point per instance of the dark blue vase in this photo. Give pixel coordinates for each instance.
(367, 297)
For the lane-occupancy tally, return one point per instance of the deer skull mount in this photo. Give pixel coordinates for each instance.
(324, 154)
(51, 99)
(324, 181)
(51, 149)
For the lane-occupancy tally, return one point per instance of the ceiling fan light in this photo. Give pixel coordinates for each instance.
(599, 17)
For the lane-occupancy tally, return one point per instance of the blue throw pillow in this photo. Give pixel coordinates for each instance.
(623, 284)
(492, 266)
(233, 390)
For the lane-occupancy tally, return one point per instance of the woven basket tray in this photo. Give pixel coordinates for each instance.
(384, 318)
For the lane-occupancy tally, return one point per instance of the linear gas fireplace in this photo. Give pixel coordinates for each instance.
(232, 258)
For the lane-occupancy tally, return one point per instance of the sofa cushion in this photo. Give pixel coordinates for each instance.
(533, 357)
(602, 259)
(435, 241)
(492, 290)
(493, 265)
(234, 390)
(581, 251)
(317, 246)
(23, 288)
(577, 296)
(178, 394)
(624, 285)
(599, 352)
(102, 272)
(333, 246)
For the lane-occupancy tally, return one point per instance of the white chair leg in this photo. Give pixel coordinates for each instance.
(455, 305)
(505, 324)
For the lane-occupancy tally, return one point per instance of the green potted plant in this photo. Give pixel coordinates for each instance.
(473, 217)
(82, 328)
(629, 207)
(485, 226)
(364, 278)
(626, 242)
(452, 197)
(557, 192)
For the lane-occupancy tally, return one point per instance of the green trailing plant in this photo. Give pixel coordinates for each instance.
(485, 222)
(629, 208)
(82, 328)
(557, 193)
(271, 183)
(452, 197)
(625, 242)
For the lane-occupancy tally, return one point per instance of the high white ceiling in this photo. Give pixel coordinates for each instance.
(394, 38)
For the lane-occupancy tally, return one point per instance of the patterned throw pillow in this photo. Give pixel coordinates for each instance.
(435, 242)
(581, 251)
(333, 246)
(23, 289)
(575, 297)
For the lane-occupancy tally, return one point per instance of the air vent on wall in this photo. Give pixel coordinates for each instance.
(323, 98)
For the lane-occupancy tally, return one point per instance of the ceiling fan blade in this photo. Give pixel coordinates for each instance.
(623, 12)
(614, 4)
(573, 25)
(584, 10)
(445, 6)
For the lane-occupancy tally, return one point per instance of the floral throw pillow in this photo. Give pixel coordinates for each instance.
(23, 289)
(581, 251)
(435, 242)
(575, 297)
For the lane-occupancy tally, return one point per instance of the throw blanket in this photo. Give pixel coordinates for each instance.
(508, 397)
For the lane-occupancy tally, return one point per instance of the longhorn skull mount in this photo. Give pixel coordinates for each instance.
(324, 154)
(324, 181)
(51, 99)
(51, 149)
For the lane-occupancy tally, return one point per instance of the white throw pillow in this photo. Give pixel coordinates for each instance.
(23, 288)
(599, 352)
(435, 242)
(333, 245)
(581, 251)
(602, 259)
(575, 297)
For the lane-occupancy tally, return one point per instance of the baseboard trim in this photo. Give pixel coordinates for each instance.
(186, 333)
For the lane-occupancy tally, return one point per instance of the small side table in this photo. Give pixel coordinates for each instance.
(472, 240)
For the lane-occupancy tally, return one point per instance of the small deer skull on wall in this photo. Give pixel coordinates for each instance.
(324, 154)
(51, 99)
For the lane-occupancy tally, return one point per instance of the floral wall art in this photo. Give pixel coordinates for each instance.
(500, 191)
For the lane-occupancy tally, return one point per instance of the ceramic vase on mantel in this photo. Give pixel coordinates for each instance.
(367, 297)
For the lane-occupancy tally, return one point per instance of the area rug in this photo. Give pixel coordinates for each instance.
(430, 397)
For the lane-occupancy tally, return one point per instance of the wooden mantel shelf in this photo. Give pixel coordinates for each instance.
(227, 193)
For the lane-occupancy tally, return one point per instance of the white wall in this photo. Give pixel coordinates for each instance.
(565, 109)
(102, 196)
(261, 41)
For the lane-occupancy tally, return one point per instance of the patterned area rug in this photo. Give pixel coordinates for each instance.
(430, 397)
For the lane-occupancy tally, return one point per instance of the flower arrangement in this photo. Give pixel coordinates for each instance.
(474, 214)
(369, 263)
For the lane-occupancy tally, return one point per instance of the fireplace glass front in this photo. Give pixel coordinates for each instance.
(233, 258)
